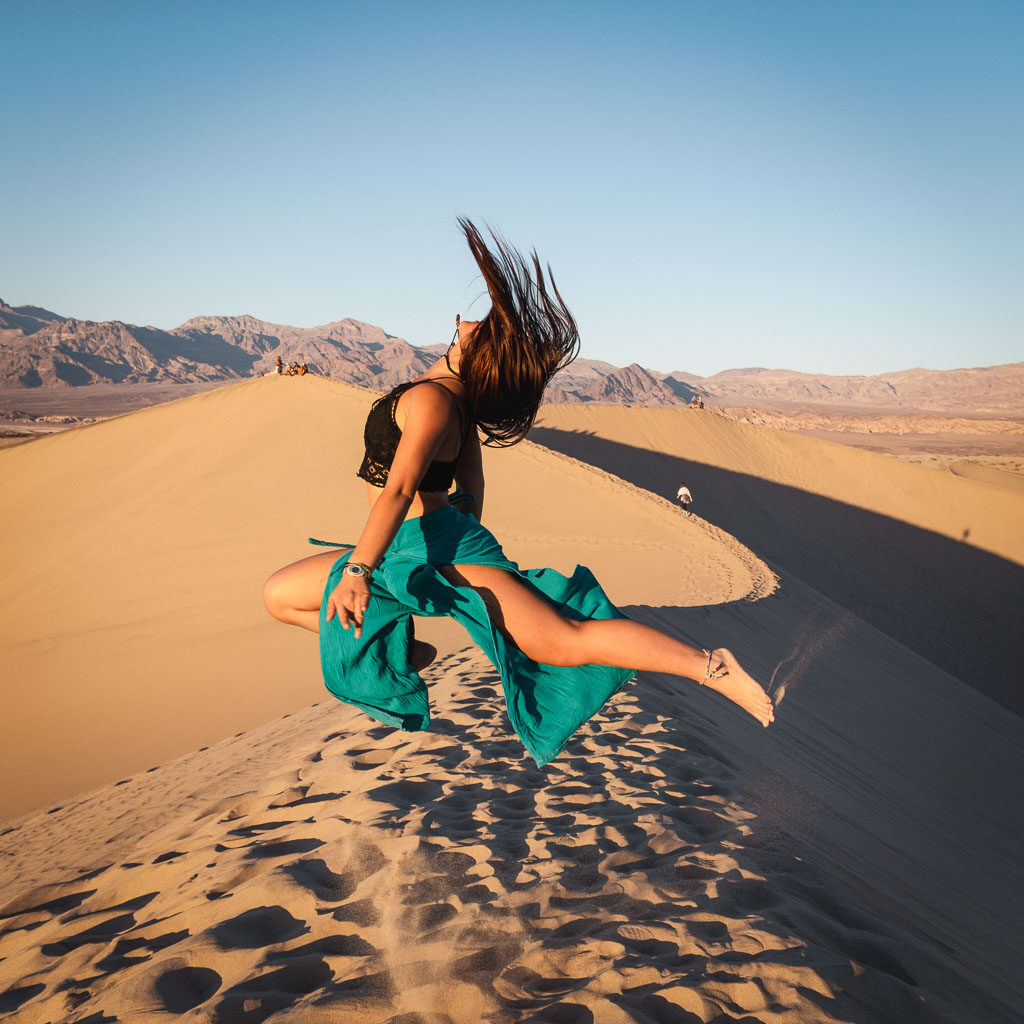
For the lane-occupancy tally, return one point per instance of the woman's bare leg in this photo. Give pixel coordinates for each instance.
(547, 637)
(294, 595)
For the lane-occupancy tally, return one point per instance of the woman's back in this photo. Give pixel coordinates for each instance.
(386, 422)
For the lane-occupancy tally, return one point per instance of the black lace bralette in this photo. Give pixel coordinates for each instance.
(382, 434)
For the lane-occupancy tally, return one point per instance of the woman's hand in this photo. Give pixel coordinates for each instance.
(349, 600)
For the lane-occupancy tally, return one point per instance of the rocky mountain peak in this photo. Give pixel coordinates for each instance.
(39, 348)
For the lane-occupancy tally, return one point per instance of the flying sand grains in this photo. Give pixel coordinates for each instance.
(811, 642)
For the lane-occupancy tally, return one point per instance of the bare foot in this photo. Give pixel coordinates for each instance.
(740, 688)
(421, 654)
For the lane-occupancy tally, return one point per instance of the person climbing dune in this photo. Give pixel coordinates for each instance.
(685, 497)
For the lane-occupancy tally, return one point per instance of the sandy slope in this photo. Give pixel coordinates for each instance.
(856, 862)
(912, 494)
(132, 553)
(932, 559)
(985, 474)
(676, 864)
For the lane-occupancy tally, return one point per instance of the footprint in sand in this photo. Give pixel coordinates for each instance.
(169, 855)
(262, 926)
(407, 793)
(98, 934)
(300, 797)
(49, 900)
(258, 997)
(284, 848)
(427, 918)
(13, 998)
(364, 760)
(318, 878)
(362, 913)
(361, 862)
(330, 945)
(258, 828)
(139, 948)
(184, 988)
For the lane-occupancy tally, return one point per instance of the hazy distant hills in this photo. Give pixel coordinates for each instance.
(989, 389)
(39, 348)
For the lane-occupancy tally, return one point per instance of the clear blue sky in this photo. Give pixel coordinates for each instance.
(830, 186)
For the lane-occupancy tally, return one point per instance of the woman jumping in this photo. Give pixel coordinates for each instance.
(561, 647)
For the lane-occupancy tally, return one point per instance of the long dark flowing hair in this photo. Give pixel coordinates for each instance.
(525, 339)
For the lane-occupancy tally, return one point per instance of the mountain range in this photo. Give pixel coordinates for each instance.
(39, 348)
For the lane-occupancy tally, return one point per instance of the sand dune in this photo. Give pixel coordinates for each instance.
(323, 867)
(915, 495)
(133, 552)
(930, 558)
(994, 477)
(856, 862)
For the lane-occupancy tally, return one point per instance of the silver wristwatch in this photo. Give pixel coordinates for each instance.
(357, 569)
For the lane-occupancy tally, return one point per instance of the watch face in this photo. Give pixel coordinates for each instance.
(354, 570)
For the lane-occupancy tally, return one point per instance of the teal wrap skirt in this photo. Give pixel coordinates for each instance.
(546, 703)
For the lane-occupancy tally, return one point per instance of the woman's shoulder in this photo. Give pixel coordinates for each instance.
(443, 399)
(445, 388)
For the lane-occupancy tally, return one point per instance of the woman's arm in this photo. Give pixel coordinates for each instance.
(429, 417)
(469, 475)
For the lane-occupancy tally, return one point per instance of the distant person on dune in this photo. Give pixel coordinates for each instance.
(278, 365)
(561, 647)
(685, 497)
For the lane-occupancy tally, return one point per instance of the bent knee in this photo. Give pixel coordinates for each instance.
(276, 597)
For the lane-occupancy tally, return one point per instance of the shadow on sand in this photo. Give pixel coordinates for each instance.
(955, 605)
